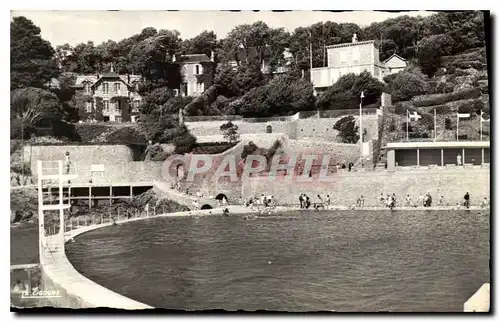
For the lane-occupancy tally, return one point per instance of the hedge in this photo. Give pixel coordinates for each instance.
(88, 132)
(445, 98)
(212, 147)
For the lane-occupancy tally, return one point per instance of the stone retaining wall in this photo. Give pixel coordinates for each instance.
(318, 128)
(346, 187)
(117, 161)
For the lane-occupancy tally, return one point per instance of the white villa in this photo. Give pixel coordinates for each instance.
(354, 57)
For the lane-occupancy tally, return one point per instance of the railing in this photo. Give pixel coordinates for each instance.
(118, 217)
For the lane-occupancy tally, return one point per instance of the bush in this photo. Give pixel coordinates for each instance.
(348, 130)
(403, 127)
(87, 132)
(126, 135)
(212, 148)
(447, 124)
(440, 109)
(230, 131)
(408, 84)
(466, 107)
(445, 98)
(15, 129)
(62, 129)
(184, 141)
(427, 121)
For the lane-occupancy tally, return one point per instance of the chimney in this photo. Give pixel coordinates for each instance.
(354, 38)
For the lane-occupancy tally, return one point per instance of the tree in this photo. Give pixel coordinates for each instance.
(33, 105)
(346, 91)
(283, 95)
(430, 51)
(348, 130)
(31, 58)
(230, 131)
(407, 84)
(150, 56)
(204, 43)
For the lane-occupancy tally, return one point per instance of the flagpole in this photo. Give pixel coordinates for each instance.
(407, 121)
(435, 133)
(481, 126)
(361, 128)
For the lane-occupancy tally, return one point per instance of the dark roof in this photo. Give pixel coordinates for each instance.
(193, 58)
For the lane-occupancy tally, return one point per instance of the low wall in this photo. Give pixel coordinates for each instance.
(348, 186)
(84, 155)
(318, 128)
(117, 160)
(76, 290)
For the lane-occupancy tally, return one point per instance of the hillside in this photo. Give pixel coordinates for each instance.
(460, 85)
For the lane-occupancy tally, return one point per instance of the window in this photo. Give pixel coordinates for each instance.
(105, 88)
(355, 54)
(197, 69)
(88, 107)
(106, 106)
(117, 87)
(343, 57)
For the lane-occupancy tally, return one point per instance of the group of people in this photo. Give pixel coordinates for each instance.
(305, 202)
(264, 201)
(389, 201)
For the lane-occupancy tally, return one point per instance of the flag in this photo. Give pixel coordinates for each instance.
(483, 120)
(415, 116)
(463, 115)
(362, 95)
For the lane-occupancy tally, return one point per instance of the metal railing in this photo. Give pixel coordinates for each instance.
(108, 218)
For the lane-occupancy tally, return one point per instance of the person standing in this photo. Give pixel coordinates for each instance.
(459, 160)
(441, 201)
(67, 162)
(301, 201)
(408, 200)
(308, 201)
(467, 200)
(328, 201)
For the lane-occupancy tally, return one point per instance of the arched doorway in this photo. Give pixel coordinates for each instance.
(206, 207)
(180, 171)
(221, 197)
(269, 129)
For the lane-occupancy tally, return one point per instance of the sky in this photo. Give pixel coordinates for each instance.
(73, 27)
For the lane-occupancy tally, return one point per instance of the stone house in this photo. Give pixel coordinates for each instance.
(354, 57)
(119, 95)
(196, 72)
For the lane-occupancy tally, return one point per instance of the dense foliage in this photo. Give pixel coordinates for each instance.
(346, 92)
(32, 62)
(230, 132)
(348, 130)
